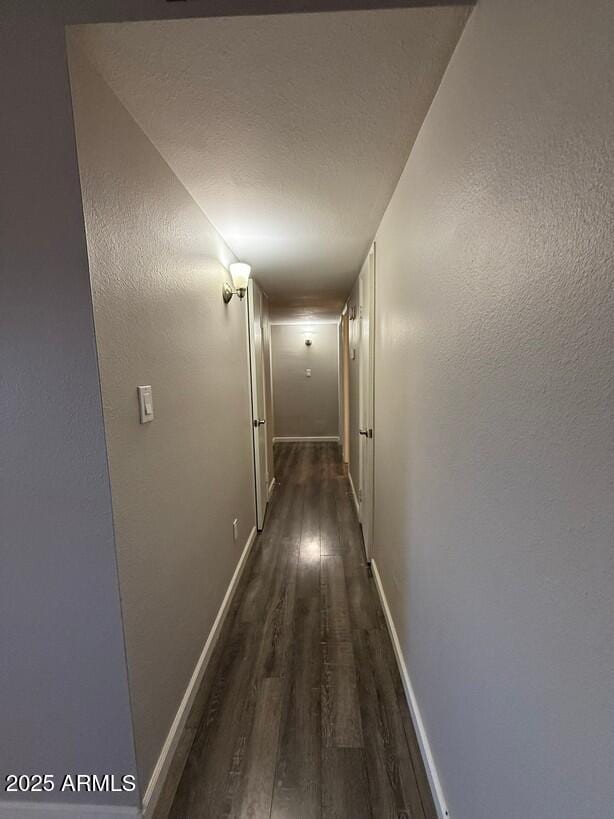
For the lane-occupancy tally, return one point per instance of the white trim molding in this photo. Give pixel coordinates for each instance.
(423, 742)
(300, 321)
(354, 495)
(65, 810)
(158, 777)
(311, 438)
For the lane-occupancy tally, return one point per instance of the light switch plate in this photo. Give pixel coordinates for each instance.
(146, 411)
(308, 372)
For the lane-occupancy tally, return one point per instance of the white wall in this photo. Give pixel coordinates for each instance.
(157, 267)
(494, 524)
(305, 407)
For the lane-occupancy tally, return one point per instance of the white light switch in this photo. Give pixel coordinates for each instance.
(146, 412)
(308, 372)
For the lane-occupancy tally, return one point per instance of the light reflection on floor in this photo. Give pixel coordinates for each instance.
(310, 550)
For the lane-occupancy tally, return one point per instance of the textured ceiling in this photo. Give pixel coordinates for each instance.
(289, 131)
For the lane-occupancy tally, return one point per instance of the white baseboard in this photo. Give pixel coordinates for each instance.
(311, 438)
(354, 495)
(423, 742)
(158, 777)
(270, 489)
(64, 810)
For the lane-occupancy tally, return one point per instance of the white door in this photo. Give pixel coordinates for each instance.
(259, 419)
(366, 396)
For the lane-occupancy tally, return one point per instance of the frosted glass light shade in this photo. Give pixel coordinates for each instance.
(240, 274)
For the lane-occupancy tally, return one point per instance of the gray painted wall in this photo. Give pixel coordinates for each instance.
(494, 522)
(157, 268)
(63, 687)
(305, 407)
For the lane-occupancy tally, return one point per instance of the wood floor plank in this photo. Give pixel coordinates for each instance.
(277, 545)
(364, 607)
(345, 787)
(298, 777)
(341, 718)
(335, 610)
(256, 794)
(276, 627)
(330, 542)
(310, 531)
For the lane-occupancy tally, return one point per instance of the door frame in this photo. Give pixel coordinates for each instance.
(261, 481)
(366, 399)
(345, 383)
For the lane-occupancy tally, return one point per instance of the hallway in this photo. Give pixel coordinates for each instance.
(302, 711)
(261, 259)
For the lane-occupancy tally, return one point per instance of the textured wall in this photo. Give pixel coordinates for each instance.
(177, 484)
(63, 687)
(305, 407)
(495, 413)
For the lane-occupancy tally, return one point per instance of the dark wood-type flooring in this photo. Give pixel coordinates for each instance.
(302, 713)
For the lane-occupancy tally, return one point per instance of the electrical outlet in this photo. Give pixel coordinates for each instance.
(235, 529)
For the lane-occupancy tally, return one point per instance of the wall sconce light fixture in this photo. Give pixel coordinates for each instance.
(239, 272)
